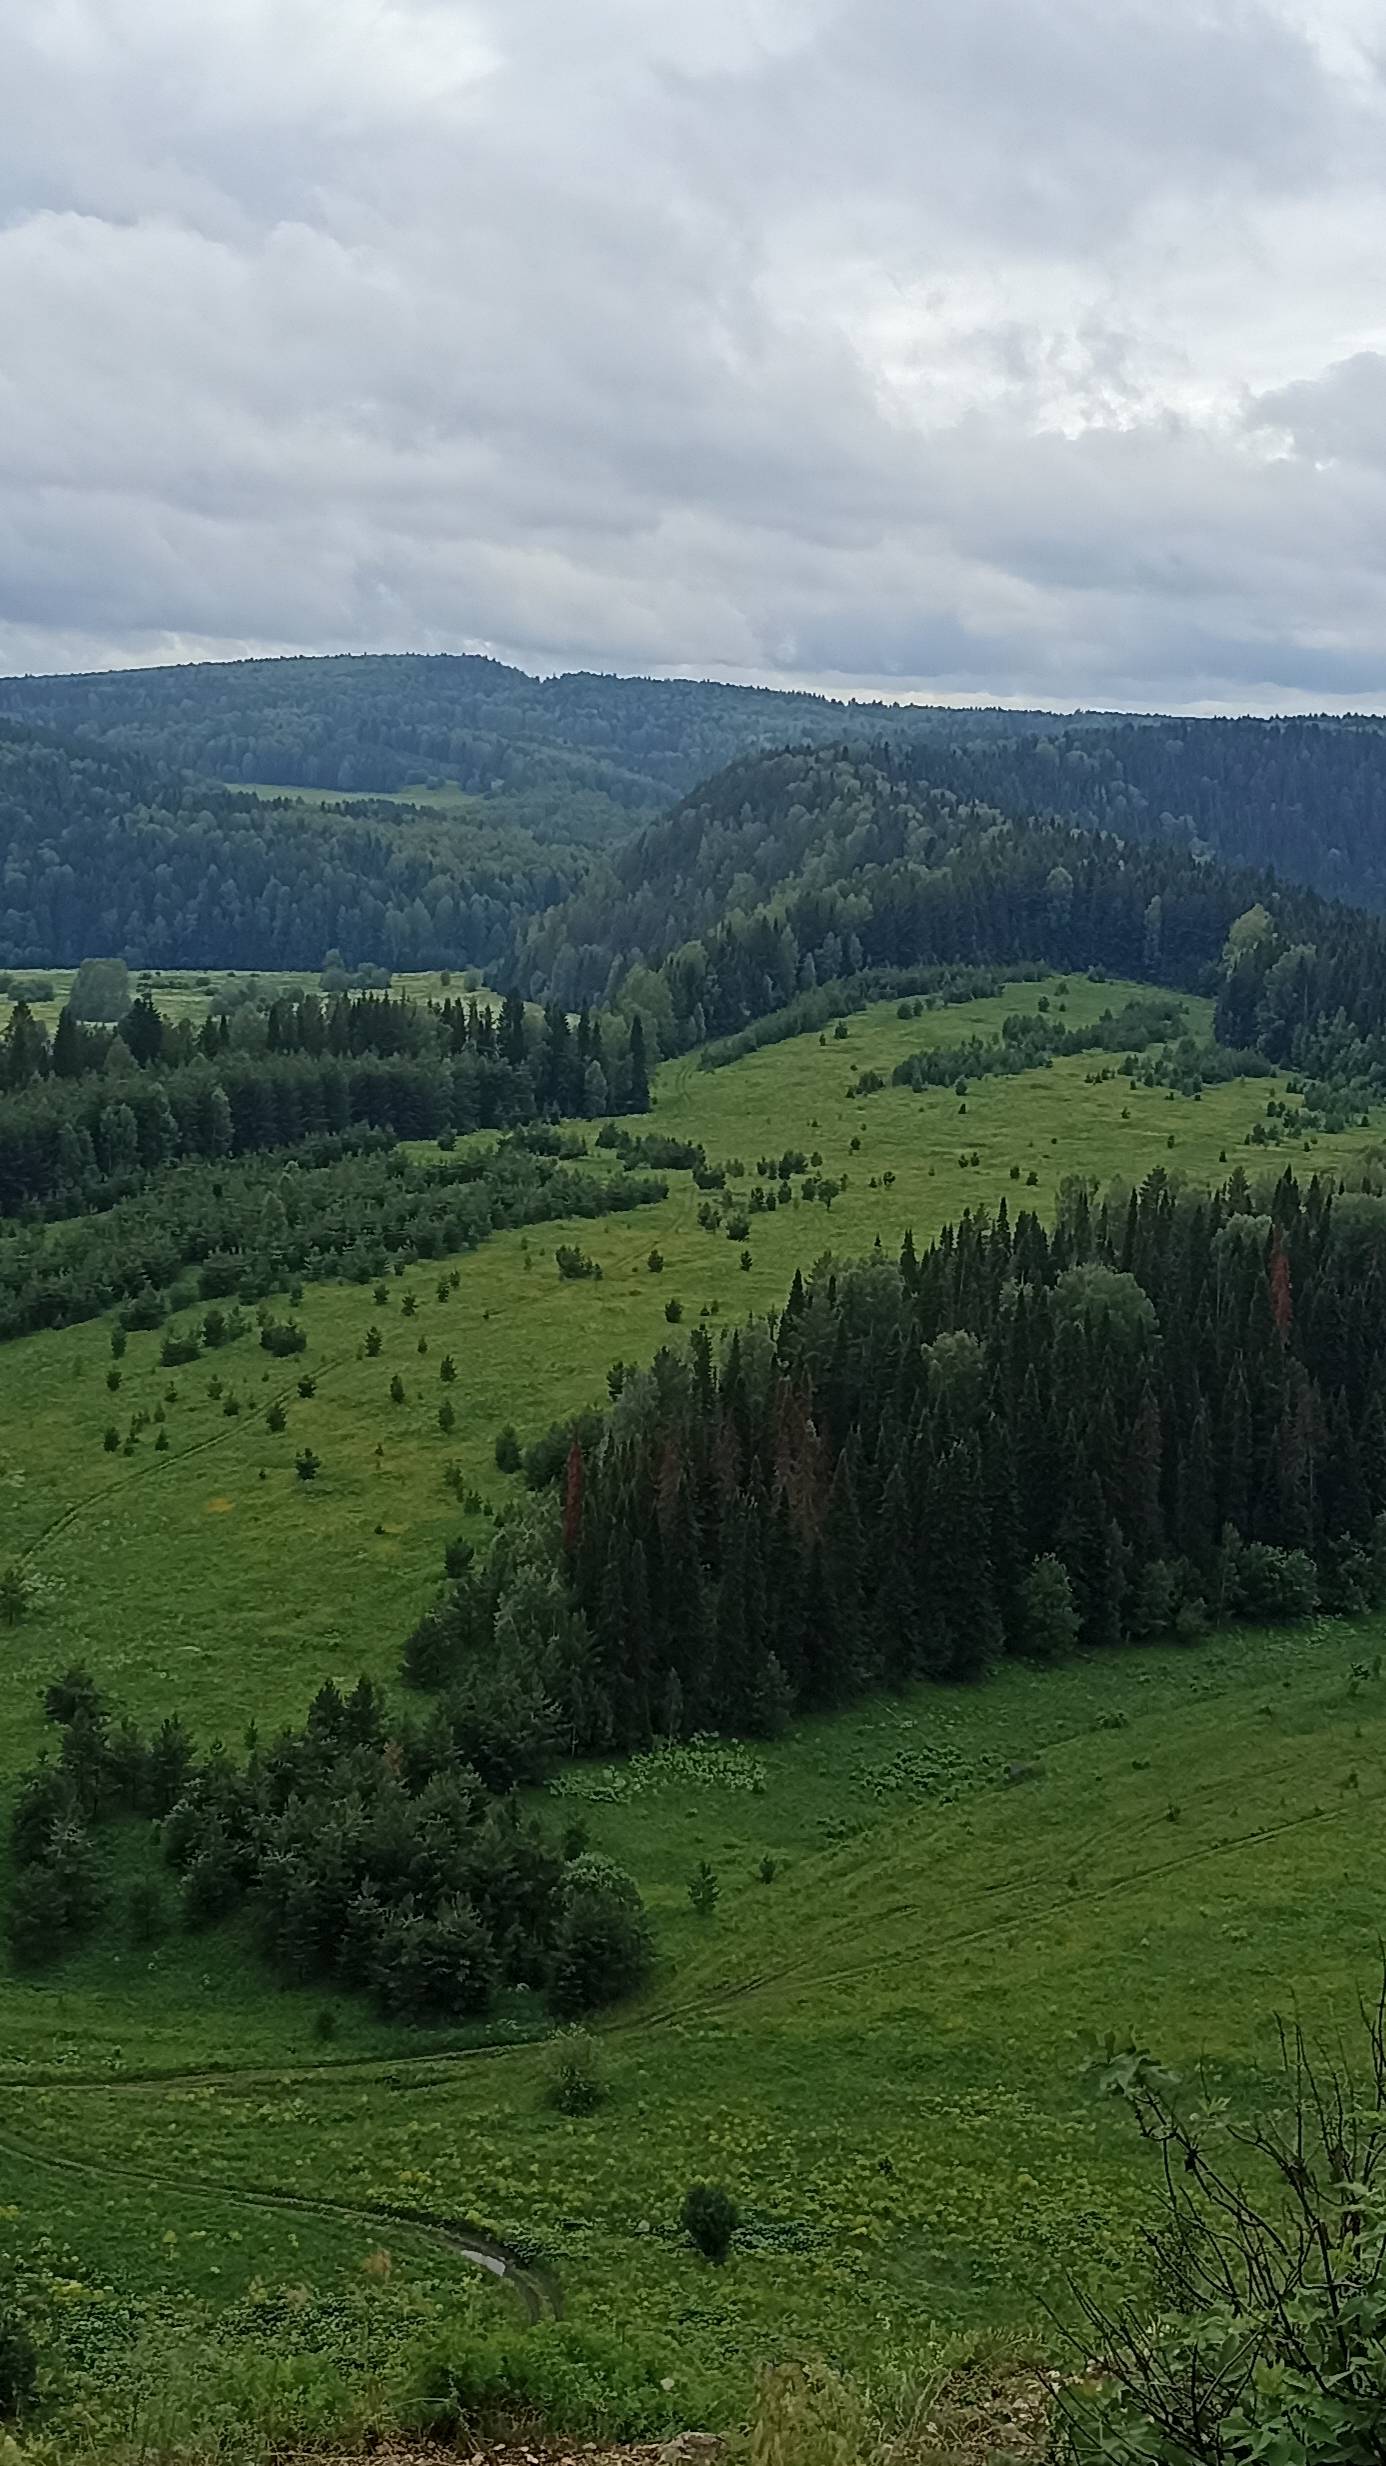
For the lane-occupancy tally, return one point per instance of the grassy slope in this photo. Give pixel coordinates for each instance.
(878, 2050)
(906, 1995)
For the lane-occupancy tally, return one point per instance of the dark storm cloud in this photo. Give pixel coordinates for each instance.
(971, 349)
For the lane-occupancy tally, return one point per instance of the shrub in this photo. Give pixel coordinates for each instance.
(397, 1389)
(447, 1416)
(307, 1385)
(276, 1419)
(18, 2365)
(373, 1341)
(1270, 2342)
(16, 1596)
(282, 1337)
(709, 2219)
(673, 1311)
(574, 1263)
(575, 2083)
(655, 1262)
(558, 2378)
(307, 1465)
(704, 1889)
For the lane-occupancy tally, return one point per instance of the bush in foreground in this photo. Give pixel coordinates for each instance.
(557, 2378)
(1269, 2256)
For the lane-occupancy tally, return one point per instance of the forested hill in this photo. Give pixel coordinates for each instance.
(586, 757)
(829, 843)
(100, 851)
(796, 883)
(387, 722)
(1307, 796)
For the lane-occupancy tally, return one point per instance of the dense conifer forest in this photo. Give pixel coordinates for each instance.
(387, 722)
(793, 872)
(83, 1117)
(566, 762)
(1164, 1410)
(107, 850)
(369, 1852)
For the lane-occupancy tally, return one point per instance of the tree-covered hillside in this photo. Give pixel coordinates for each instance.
(589, 757)
(101, 851)
(1307, 796)
(792, 872)
(392, 721)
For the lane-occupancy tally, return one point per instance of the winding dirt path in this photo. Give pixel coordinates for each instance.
(537, 2288)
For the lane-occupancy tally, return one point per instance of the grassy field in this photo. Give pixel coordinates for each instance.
(877, 2049)
(188, 993)
(445, 797)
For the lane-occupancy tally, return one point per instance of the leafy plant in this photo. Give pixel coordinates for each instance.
(575, 2082)
(18, 2365)
(1269, 2255)
(704, 1889)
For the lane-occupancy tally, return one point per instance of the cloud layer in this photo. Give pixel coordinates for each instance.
(980, 349)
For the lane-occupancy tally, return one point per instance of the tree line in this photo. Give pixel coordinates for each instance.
(84, 1117)
(1164, 1409)
(340, 1205)
(1301, 794)
(364, 1850)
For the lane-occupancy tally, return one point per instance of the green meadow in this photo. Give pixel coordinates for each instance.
(880, 2049)
(191, 993)
(877, 2048)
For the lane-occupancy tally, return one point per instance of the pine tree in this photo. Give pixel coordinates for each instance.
(638, 1094)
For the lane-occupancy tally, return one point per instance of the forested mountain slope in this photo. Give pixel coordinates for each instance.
(792, 870)
(102, 851)
(1305, 795)
(586, 756)
(389, 721)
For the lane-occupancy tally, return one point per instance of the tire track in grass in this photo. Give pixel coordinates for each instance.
(236, 1428)
(537, 2288)
(731, 1991)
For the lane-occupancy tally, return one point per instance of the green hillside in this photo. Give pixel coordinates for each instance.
(877, 2048)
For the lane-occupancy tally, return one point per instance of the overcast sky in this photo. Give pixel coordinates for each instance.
(1000, 349)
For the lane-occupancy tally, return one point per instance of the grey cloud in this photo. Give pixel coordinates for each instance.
(1337, 417)
(976, 349)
